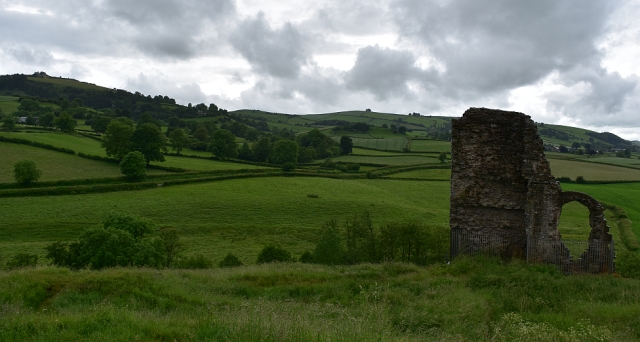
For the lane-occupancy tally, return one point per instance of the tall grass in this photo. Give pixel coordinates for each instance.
(466, 301)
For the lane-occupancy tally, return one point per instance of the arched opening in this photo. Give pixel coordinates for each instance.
(574, 227)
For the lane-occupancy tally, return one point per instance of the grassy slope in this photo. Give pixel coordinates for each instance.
(54, 165)
(9, 104)
(66, 82)
(591, 171)
(77, 143)
(465, 301)
(430, 146)
(235, 215)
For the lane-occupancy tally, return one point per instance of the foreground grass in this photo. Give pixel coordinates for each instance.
(468, 300)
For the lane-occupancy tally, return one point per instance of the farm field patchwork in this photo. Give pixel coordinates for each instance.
(77, 143)
(430, 146)
(591, 171)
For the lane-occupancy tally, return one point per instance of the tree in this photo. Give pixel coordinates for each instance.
(262, 149)
(26, 172)
(251, 134)
(575, 145)
(223, 144)
(563, 149)
(346, 145)
(99, 124)
(179, 139)
(245, 152)
(442, 157)
(9, 122)
(284, 151)
(133, 166)
(172, 245)
(65, 122)
(329, 250)
(116, 140)
(149, 140)
(273, 254)
(402, 130)
(46, 120)
(230, 261)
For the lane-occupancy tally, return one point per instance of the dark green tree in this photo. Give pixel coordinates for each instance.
(245, 152)
(284, 151)
(223, 144)
(346, 145)
(272, 253)
(100, 124)
(306, 154)
(65, 122)
(116, 140)
(442, 157)
(178, 139)
(149, 140)
(172, 245)
(201, 133)
(25, 172)
(262, 149)
(9, 122)
(133, 166)
(329, 250)
(251, 134)
(46, 120)
(230, 261)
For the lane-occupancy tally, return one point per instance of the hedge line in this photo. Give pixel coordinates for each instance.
(395, 169)
(36, 144)
(115, 161)
(78, 189)
(629, 239)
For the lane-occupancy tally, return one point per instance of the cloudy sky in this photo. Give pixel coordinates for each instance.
(566, 62)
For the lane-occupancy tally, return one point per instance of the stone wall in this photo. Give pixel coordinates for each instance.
(501, 183)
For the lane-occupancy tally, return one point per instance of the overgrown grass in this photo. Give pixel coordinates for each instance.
(467, 301)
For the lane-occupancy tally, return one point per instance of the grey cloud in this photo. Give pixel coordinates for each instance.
(383, 72)
(276, 52)
(31, 56)
(490, 46)
(162, 85)
(353, 17)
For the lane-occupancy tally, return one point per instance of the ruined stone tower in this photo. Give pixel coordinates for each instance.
(501, 185)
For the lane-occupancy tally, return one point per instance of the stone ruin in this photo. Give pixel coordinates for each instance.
(502, 186)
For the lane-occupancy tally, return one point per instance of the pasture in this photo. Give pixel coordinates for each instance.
(592, 171)
(430, 146)
(388, 160)
(390, 144)
(9, 104)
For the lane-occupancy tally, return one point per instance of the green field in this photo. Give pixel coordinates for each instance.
(391, 144)
(55, 165)
(388, 160)
(591, 171)
(424, 174)
(9, 104)
(76, 142)
(430, 146)
(235, 215)
(202, 164)
(66, 82)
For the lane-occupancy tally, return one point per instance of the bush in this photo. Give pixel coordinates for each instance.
(273, 254)
(26, 172)
(288, 166)
(230, 261)
(581, 180)
(22, 260)
(195, 262)
(133, 166)
(628, 264)
(353, 167)
(329, 250)
(306, 257)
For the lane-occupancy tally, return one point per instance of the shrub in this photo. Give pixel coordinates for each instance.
(353, 167)
(341, 167)
(272, 253)
(230, 261)
(22, 260)
(313, 196)
(133, 166)
(197, 261)
(306, 257)
(580, 180)
(628, 264)
(328, 164)
(288, 166)
(564, 180)
(26, 172)
(329, 250)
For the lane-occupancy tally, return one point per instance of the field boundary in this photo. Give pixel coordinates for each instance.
(629, 239)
